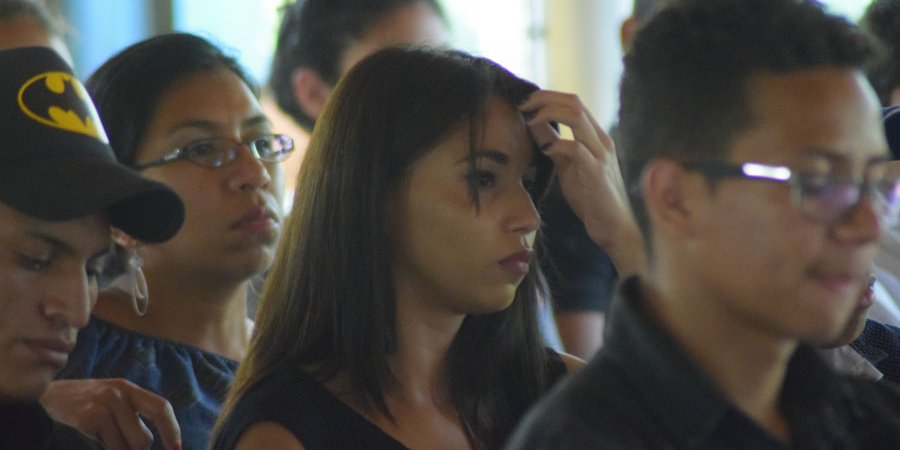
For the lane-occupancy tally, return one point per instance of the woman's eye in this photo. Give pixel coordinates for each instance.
(201, 149)
(482, 179)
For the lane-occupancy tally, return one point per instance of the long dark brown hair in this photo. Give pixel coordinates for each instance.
(329, 301)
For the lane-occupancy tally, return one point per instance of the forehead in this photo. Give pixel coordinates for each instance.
(416, 23)
(216, 95)
(86, 235)
(499, 126)
(828, 109)
(505, 126)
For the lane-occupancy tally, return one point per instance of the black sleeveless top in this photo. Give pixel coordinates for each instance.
(317, 418)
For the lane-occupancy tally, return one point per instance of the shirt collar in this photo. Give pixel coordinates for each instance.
(683, 399)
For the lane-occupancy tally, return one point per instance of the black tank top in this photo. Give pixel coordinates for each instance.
(317, 418)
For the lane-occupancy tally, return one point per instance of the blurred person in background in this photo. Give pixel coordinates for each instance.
(25, 23)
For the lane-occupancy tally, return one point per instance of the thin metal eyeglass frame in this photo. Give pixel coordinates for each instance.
(181, 153)
(888, 214)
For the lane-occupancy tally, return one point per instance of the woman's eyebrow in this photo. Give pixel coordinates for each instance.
(257, 120)
(206, 125)
(494, 155)
(209, 125)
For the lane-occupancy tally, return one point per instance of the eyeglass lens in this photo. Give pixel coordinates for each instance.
(218, 152)
(831, 202)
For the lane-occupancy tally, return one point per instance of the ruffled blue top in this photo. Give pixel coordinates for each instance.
(194, 381)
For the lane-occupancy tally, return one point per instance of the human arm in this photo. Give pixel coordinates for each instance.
(268, 435)
(581, 332)
(112, 411)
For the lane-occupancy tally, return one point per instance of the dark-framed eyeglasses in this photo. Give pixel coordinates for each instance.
(217, 152)
(822, 197)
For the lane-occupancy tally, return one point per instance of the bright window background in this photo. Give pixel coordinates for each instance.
(568, 45)
(246, 29)
(853, 9)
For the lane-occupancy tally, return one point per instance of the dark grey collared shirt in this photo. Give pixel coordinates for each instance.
(641, 391)
(26, 426)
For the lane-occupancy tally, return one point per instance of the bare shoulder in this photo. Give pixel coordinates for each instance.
(572, 362)
(266, 436)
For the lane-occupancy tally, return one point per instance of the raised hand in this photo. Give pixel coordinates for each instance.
(589, 174)
(113, 411)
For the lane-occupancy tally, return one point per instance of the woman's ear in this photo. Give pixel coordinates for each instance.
(311, 92)
(124, 239)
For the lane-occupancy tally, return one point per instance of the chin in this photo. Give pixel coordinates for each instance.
(828, 334)
(29, 389)
(254, 261)
(488, 305)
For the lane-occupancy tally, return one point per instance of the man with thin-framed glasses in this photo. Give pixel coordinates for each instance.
(755, 156)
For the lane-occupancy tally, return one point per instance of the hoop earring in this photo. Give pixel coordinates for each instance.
(140, 296)
(132, 281)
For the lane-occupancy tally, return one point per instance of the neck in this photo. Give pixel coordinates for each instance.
(424, 338)
(747, 363)
(211, 316)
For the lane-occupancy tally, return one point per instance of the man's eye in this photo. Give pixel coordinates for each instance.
(813, 184)
(33, 264)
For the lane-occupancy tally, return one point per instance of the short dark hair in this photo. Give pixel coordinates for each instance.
(643, 10)
(684, 87)
(881, 23)
(128, 87)
(315, 34)
(329, 301)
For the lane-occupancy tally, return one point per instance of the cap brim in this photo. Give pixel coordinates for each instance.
(70, 187)
(891, 117)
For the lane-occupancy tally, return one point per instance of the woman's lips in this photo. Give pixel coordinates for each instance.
(256, 220)
(517, 263)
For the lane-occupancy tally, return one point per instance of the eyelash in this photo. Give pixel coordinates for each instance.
(33, 264)
(482, 179)
(39, 265)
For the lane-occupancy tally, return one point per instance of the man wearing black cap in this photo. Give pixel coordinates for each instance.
(60, 191)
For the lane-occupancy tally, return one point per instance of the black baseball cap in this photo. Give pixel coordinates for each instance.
(891, 116)
(55, 160)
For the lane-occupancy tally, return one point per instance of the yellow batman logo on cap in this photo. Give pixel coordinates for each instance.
(59, 100)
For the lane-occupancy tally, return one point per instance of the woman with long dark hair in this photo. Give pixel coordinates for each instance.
(401, 307)
(184, 113)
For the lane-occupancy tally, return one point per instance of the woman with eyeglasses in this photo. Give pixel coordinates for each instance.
(401, 309)
(179, 110)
